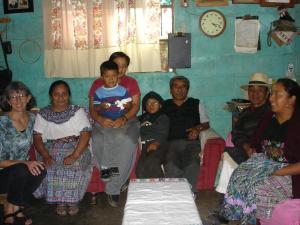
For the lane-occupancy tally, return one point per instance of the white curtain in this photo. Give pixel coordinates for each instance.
(81, 34)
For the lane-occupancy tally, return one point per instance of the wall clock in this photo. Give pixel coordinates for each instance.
(212, 23)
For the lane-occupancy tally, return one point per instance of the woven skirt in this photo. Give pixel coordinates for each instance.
(65, 184)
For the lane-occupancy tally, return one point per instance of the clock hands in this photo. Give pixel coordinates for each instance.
(216, 25)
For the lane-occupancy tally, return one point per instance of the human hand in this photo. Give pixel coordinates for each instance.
(106, 123)
(276, 173)
(70, 159)
(286, 170)
(193, 133)
(35, 167)
(105, 105)
(48, 161)
(249, 150)
(127, 105)
(274, 153)
(120, 122)
(153, 146)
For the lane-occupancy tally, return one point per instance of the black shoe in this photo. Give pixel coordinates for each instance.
(222, 219)
(106, 175)
(125, 186)
(215, 218)
(113, 200)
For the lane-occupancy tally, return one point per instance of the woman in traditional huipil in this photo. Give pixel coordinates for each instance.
(61, 136)
(272, 173)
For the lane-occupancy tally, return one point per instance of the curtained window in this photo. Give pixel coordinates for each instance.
(81, 34)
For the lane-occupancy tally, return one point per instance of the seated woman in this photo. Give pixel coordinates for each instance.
(61, 135)
(154, 129)
(18, 177)
(264, 180)
(258, 93)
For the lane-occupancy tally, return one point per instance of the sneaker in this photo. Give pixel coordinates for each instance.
(125, 186)
(106, 175)
(113, 200)
(114, 171)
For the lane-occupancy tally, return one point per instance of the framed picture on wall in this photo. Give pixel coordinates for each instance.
(245, 1)
(17, 6)
(204, 3)
(277, 3)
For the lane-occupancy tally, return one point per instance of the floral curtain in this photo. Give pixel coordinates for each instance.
(81, 34)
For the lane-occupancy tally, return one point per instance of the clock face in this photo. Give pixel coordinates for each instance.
(212, 23)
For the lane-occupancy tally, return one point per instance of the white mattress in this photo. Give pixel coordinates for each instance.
(160, 202)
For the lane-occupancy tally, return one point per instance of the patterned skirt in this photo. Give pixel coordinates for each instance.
(65, 183)
(270, 192)
(240, 199)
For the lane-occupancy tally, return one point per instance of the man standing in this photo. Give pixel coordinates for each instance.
(187, 119)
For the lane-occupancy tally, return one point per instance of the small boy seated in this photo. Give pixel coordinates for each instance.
(111, 101)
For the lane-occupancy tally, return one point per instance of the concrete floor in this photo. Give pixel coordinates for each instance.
(103, 214)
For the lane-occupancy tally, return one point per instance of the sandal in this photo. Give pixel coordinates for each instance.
(18, 220)
(7, 216)
(61, 210)
(73, 210)
(22, 219)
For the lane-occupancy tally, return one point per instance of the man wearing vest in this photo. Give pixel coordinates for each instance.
(187, 119)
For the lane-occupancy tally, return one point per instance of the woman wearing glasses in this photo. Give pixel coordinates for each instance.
(18, 176)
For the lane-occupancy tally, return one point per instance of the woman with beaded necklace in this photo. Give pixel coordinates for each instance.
(61, 136)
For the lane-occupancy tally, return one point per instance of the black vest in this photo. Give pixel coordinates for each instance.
(182, 117)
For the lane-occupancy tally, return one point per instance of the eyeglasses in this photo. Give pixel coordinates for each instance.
(15, 97)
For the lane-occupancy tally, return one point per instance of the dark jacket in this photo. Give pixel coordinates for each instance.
(246, 124)
(157, 130)
(243, 130)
